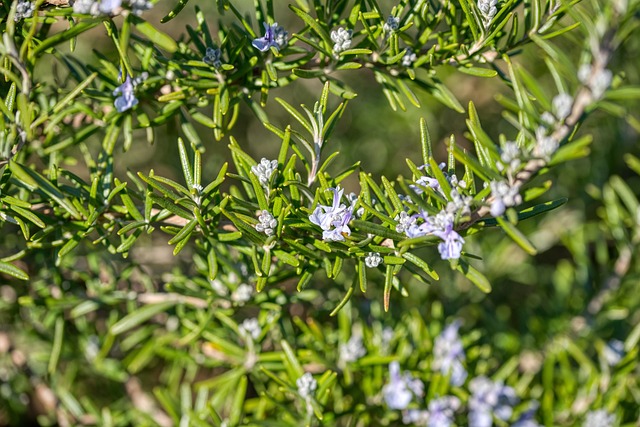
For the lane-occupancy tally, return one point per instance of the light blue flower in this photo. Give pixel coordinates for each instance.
(275, 36)
(333, 219)
(127, 98)
(448, 354)
(440, 225)
(451, 245)
(490, 399)
(400, 389)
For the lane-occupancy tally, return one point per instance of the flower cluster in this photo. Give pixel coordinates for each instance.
(242, 293)
(372, 260)
(504, 195)
(341, 39)
(440, 413)
(562, 105)
(490, 399)
(352, 350)
(440, 225)
(510, 157)
(488, 11)
(448, 354)
(264, 170)
(24, 9)
(127, 98)
(213, 57)
(307, 385)
(409, 58)
(597, 81)
(392, 24)
(250, 328)
(274, 36)
(333, 219)
(267, 223)
(401, 389)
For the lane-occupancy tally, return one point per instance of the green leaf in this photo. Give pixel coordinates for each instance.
(72, 32)
(175, 11)
(517, 236)
(573, 150)
(420, 263)
(478, 72)
(34, 181)
(154, 35)
(531, 212)
(12, 270)
(473, 275)
(184, 161)
(238, 401)
(313, 23)
(139, 316)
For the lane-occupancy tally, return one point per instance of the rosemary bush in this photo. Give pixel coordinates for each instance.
(205, 222)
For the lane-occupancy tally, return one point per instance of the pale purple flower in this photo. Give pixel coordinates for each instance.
(440, 225)
(405, 221)
(400, 389)
(490, 399)
(127, 98)
(425, 181)
(451, 245)
(333, 219)
(275, 36)
(448, 354)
